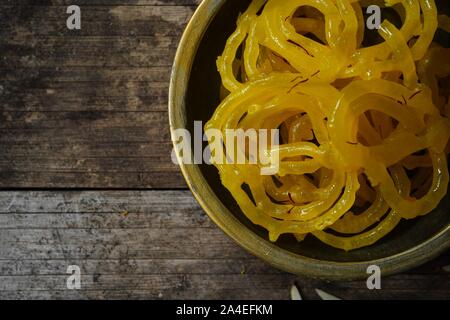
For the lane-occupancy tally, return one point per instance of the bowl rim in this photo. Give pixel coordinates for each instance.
(228, 223)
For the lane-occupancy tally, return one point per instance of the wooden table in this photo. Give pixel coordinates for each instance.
(86, 176)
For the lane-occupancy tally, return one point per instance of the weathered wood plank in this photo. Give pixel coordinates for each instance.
(119, 20)
(149, 282)
(63, 51)
(119, 92)
(166, 226)
(138, 267)
(69, 153)
(76, 202)
(88, 108)
(82, 3)
(145, 245)
(199, 292)
(127, 244)
(60, 78)
(88, 180)
(110, 149)
(117, 243)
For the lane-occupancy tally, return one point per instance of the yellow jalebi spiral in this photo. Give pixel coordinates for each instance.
(364, 129)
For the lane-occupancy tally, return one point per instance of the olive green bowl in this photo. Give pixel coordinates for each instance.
(194, 95)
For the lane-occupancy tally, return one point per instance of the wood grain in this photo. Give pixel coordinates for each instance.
(144, 245)
(88, 108)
